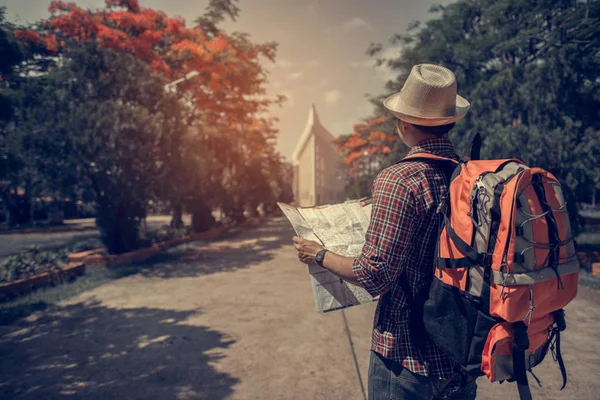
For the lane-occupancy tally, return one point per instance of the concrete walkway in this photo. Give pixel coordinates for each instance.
(232, 320)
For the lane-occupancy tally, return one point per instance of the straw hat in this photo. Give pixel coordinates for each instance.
(428, 97)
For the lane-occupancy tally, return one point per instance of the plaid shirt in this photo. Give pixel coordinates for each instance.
(400, 244)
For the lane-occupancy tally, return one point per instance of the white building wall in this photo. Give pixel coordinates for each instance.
(329, 187)
(317, 166)
(306, 175)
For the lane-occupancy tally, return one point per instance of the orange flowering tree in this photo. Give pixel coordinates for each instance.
(218, 128)
(368, 147)
(229, 75)
(372, 146)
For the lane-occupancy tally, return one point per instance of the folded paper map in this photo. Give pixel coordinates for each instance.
(340, 228)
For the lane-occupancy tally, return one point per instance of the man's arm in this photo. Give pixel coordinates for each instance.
(339, 265)
(387, 241)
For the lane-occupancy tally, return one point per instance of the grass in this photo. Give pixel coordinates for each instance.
(38, 300)
(39, 259)
(22, 306)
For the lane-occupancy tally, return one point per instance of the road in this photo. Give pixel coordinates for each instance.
(13, 243)
(233, 320)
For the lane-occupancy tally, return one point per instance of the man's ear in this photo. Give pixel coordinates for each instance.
(406, 126)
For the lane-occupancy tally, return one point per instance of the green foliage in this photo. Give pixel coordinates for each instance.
(11, 163)
(31, 262)
(90, 120)
(215, 13)
(97, 120)
(359, 186)
(529, 69)
(11, 55)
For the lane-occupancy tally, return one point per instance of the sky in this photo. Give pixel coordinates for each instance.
(321, 57)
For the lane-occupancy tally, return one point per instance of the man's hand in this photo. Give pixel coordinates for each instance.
(307, 249)
(339, 265)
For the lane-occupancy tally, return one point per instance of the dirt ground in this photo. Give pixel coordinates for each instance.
(234, 320)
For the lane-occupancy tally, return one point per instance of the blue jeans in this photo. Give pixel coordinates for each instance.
(389, 380)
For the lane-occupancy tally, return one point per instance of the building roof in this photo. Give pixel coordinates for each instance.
(313, 125)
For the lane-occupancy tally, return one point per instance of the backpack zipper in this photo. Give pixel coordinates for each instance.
(502, 267)
(518, 175)
(531, 306)
(531, 309)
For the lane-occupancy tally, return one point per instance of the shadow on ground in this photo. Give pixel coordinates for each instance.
(88, 351)
(237, 250)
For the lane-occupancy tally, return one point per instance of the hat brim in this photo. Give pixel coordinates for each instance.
(407, 114)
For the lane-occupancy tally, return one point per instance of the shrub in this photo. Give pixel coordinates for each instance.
(31, 262)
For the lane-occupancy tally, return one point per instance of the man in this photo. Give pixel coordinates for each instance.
(397, 259)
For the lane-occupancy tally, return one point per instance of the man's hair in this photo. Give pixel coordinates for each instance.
(435, 130)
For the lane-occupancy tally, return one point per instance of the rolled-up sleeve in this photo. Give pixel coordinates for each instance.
(387, 241)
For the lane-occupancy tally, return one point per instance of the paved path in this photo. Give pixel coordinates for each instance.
(233, 320)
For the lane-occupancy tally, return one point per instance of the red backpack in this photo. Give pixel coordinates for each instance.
(505, 266)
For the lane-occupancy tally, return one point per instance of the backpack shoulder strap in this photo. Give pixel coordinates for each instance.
(427, 157)
(476, 147)
(451, 166)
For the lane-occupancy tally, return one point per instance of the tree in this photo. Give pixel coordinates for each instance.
(242, 173)
(102, 115)
(16, 170)
(366, 151)
(212, 111)
(280, 175)
(11, 54)
(529, 71)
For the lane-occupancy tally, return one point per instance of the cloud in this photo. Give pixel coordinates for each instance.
(365, 109)
(295, 75)
(283, 64)
(343, 127)
(312, 63)
(332, 96)
(353, 25)
(356, 23)
(312, 85)
(386, 74)
(391, 52)
(383, 71)
(363, 64)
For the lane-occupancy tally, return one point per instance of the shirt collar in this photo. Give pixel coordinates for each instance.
(438, 146)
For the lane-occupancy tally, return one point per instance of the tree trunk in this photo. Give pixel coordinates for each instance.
(13, 211)
(30, 206)
(12, 215)
(118, 227)
(176, 219)
(202, 218)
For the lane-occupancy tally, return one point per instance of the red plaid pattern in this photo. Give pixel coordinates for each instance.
(401, 240)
